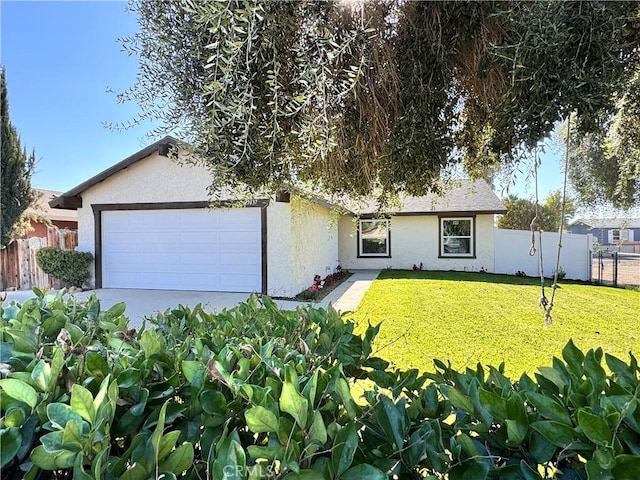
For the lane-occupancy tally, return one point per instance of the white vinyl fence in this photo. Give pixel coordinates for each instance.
(512, 253)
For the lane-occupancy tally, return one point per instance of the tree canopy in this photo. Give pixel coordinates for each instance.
(16, 168)
(521, 212)
(378, 95)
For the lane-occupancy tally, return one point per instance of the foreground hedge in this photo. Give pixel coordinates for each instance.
(256, 392)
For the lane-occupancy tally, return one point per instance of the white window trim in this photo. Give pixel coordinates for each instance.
(471, 238)
(387, 242)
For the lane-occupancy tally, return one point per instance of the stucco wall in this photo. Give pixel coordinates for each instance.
(152, 179)
(300, 240)
(278, 249)
(414, 239)
(314, 243)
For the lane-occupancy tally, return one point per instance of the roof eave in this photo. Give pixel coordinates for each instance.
(71, 200)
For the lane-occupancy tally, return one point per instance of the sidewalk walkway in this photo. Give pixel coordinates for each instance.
(348, 296)
(142, 303)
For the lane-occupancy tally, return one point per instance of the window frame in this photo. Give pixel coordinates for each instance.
(471, 237)
(387, 253)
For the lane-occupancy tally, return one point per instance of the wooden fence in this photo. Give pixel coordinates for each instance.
(18, 267)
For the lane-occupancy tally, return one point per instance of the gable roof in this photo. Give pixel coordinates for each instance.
(43, 208)
(608, 222)
(460, 196)
(72, 201)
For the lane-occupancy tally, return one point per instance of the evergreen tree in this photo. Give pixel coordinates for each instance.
(16, 168)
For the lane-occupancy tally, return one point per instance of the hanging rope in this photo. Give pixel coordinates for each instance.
(548, 319)
(535, 225)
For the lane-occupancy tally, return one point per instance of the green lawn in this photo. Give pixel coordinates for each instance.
(470, 317)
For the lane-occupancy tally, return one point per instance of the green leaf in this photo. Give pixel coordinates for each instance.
(41, 375)
(528, 472)
(390, 417)
(167, 442)
(552, 375)
(344, 448)
(364, 471)
(574, 358)
(344, 392)
(230, 460)
(72, 434)
(294, 404)
(14, 417)
(52, 461)
(213, 402)
(557, 433)
(59, 414)
(516, 432)
(156, 436)
(152, 342)
(460, 400)
(135, 472)
(269, 453)
(260, 420)
(19, 390)
(594, 427)
(627, 467)
(469, 471)
(304, 475)
(549, 408)
(495, 405)
(82, 403)
(318, 431)
(10, 441)
(190, 369)
(179, 460)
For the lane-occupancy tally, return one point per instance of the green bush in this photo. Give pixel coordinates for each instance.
(69, 266)
(256, 392)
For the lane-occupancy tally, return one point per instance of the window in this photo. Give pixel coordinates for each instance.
(457, 237)
(373, 238)
(620, 235)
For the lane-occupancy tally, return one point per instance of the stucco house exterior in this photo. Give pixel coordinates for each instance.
(619, 234)
(149, 224)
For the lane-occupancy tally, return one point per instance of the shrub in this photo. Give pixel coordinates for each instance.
(261, 391)
(69, 266)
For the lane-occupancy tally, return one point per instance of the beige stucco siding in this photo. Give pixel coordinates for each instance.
(153, 179)
(314, 243)
(414, 240)
(278, 249)
(300, 239)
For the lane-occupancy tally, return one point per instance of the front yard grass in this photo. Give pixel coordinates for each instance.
(472, 317)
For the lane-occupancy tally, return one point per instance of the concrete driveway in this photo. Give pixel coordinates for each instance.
(145, 303)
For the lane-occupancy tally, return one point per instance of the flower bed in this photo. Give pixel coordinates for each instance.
(321, 287)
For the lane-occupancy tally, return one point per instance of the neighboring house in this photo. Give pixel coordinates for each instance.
(611, 233)
(147, 221)
(42, 213)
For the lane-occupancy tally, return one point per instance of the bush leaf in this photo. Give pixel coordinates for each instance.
(20, 390)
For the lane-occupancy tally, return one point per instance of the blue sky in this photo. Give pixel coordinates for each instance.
(60, 59)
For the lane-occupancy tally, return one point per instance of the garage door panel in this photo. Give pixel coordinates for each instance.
(238, 259)
(239, 237)
(183, 249)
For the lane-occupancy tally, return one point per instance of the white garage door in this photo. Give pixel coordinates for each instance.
(195, 249)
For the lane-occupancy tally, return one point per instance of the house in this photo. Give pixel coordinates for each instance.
(148, 222)
(41, 216)
(619, 234)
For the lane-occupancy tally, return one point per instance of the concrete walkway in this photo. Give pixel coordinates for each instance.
(144, 303)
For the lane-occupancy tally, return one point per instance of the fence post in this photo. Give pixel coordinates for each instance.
(615, 268)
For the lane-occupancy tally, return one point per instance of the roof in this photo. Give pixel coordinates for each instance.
(460, 196)
(608, 222)
(43, 208)
(71, 199)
